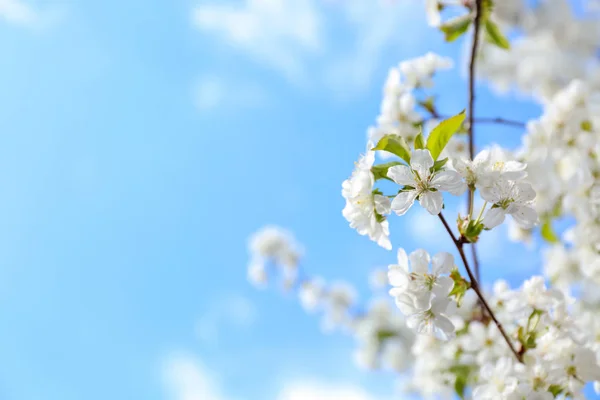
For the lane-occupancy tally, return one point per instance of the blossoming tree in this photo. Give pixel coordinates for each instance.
(453, 338)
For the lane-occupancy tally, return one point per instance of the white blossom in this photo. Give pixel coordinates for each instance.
(511, 198)
(364, 209)
(424, 184)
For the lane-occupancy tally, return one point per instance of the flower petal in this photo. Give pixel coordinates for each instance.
(398, 277)
(402, 259)
(404, 201)
(449, 181)
(419, 261)
(432, 201)
(421, 161)
(402, 175)
(524, 216)
(443, 286)
(442, 263)
(382, 204)
(493, 217)
(445, 325)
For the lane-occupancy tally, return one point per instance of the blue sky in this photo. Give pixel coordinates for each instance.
(142, 143)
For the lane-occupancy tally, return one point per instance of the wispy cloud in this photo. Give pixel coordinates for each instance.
(340, 44)
(187, 378)
(274, 32)
(319, 391)
(215, 92)
(233, 311)
(22, 13)
(18, 12)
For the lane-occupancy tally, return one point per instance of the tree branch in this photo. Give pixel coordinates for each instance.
(475, 286)
(471, 132)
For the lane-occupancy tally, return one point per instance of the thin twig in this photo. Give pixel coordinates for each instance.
(484, 120)
(475, 286)
(476, 26)
(471, 132)
(502, 121)
(475, 261)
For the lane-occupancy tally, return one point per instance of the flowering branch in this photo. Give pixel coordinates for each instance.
(475, 286)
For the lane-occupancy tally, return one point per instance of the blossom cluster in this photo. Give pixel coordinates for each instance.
(553, 45)
(448, 334)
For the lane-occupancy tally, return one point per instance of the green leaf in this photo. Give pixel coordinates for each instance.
(419, 141)
(555, 390)
(380, 171)
(396, 145)
(548, 232)
(495, 36)
(456, 27)
(460, 286)
(460, 384)
(439, 164)
(441, 134)
(462, 373)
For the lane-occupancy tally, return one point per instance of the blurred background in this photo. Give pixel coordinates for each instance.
(141, 143)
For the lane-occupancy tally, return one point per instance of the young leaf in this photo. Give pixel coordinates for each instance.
(396, 145)
(380, 171)
(419, 141)
(439, 164)
(456, 27)
(548, 232)
(460, 286)
(441, 134)
(495, 36)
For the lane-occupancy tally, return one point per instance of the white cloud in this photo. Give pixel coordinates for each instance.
(232, 311)
(187, 378)
(214, 92)
(320, 391)
(376, 25)
(273, 31)
(314, 41)
(18, 12)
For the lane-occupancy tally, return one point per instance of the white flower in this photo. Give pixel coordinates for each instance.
(421, 294)
(311, 294)
(584, 365)
(423, 184)
(532, 296)
(488, 166)
(498, 381)
(434, 18)
(485, 341)
(419, 279)
(432, 321)
(511, 198)
(275, 244)
(257, 274)
(365, 210)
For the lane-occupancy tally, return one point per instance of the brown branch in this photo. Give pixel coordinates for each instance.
(476, 28)
(471, 132)
(459, 243)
